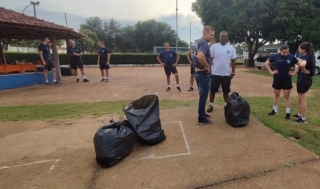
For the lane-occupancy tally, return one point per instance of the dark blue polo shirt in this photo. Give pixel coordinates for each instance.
(202, 45)
(45, 51)
(103, 52)
(283, 64)
(71, 50)
(168, 57)
(308, 65)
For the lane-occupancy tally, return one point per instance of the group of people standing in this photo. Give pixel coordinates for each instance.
(74, 52)
(213, 66)
(282, 78)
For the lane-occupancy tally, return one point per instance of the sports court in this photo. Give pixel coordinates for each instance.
(60, 153)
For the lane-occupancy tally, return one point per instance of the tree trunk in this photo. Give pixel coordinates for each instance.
(2, 57)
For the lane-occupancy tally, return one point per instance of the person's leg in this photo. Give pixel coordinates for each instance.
(45, 75)
(191, 80)
(204, 87)
(215, 82)
(176, 75)
(225, 85)
(54, 74)
(102, 74)
(75, 71)
(286, 94)
(303, 105)
(275, 102)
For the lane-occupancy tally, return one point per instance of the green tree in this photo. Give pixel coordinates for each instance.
(244, 20)
(151, 33)
(89, 42)
(113, 34)
(96, 25)
(182, 43)
(128, 43)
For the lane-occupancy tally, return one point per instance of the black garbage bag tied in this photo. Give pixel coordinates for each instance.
(237, 111)
(113, 142)
(143, 115)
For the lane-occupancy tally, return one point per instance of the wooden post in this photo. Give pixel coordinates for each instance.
(56, 60)
(71, 70)
(2, 57)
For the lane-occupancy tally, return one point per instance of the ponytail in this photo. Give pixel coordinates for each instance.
(312, 55)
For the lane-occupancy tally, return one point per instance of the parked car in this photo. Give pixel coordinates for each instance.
(261, 58)
(317, 69)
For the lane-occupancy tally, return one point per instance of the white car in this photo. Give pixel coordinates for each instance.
(317, 69)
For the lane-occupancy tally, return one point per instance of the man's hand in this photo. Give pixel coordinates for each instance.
(231, 76)
(98, 62)
(305, 71)
(274, 72)
(162, 64)
(44, 63)
(207, 69)
(291, 73)
(108, 63)
(74, 53)
(174, 65)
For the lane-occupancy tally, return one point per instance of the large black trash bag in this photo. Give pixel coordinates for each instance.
(113, 142)
(237, 111)
(143, 115)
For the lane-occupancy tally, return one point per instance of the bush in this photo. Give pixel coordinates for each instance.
(91, 59)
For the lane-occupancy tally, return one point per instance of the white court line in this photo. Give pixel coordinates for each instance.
(33, 163)
(152, 156)
(52, 167)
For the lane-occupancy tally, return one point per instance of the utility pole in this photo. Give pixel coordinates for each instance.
(65, 16)
(34, 7)
(177, 26)
(190, 34)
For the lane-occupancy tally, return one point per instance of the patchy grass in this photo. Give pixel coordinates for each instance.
(72, 110)
(315, 84)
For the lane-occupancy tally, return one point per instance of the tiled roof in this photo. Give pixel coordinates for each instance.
(15, 25)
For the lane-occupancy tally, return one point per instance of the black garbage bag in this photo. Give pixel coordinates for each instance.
(113, 142)
(143, 115)
(237, 111)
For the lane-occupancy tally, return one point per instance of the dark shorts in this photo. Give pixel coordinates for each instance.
(304, 83)
(216, 80)
(170, 69)
(192, 69)
(75, 64)
(49, 65)
(284, 83)
(103, 65)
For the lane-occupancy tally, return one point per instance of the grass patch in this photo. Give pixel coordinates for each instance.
(307, 135)
(315, 83)
(72, 110)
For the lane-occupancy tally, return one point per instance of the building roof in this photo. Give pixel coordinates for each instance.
(15, 25)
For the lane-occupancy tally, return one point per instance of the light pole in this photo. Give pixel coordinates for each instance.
(34, 7)
(177, 26)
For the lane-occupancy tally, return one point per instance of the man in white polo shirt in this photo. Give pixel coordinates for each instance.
(222, 55)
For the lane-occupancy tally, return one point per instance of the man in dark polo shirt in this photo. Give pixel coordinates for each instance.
(169, 60)
(75, 54)
(201, 62)
(104, 61)
(44, 53)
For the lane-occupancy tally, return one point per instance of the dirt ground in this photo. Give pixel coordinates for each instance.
(128, 83)
(60, 153)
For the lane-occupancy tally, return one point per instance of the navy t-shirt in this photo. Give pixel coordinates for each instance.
(45, 51)
(283, 64)
(71, 50)
(308, 65)
(202, 45)
(168, 57)
(103, 52)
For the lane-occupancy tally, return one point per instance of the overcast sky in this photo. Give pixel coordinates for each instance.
(123, 11)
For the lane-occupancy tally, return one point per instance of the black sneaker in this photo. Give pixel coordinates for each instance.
(168, 89)
(210, 108)
(77, 80)
(272, 113)
(103, 79)
(57, 83)
(205, 122)
(179, 89)
(107, 79)
(190, 89)
(85, 80)
(300, 120)
(48, 84)
(207, 116)
(296, 116)
(287, 116)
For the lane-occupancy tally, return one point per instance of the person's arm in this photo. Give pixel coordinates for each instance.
(109, 55)
(233, 62)
(296, 67)
(203, 61)
(267, 65)
(81, 53)
(177, 60)
(41, 57)
(190, 55)
(98, 61)
(159, 60)
(302, 64)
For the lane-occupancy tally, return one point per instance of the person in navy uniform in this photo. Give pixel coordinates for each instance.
(75, 54)
(282, 78)
(44, 53)
(306, 68)
(169, 60)
(104, 61)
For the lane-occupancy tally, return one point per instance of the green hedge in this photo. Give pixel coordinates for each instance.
(91, 59)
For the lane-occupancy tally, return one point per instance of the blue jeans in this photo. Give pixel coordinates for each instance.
(203, 79)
